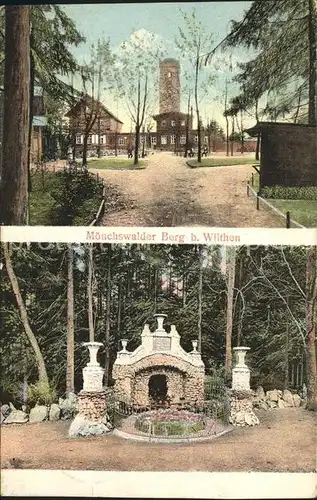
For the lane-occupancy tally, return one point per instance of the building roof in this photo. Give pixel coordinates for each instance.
(170, 113)
(88, 98)
(258, 127)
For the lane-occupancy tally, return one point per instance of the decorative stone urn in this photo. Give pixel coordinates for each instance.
(93, 373)
(241, 406)
(92, 418)
(241, 373)
(160, 320)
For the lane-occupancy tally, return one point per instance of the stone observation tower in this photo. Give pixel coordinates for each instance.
(159, 371)
(169, 85)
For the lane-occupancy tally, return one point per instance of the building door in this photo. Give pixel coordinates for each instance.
(158, 389)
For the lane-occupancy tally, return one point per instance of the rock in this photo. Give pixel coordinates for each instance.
(38, 414)
(296, 400)
(288, 397)
(5, 410)
(1, 418)
(273, 395)
(54, 412)
(281, 403)
(80, 426)
(271, 404)
(251, 419)
(263, 406)
(11, 406)
(68, 406)
(16, 417)
(260, 394)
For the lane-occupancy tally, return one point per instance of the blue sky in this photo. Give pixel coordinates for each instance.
(117, 22)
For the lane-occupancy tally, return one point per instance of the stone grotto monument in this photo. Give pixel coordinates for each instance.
(92, 419)
(159, 373)
(241, 396)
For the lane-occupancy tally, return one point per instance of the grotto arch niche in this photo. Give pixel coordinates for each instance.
(159, 371)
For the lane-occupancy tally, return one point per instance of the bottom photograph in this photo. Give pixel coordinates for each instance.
(158, 357)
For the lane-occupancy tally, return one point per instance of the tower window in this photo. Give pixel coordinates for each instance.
(163, 123)
(169, 75)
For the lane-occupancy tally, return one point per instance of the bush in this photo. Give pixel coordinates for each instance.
(289, 193)
(41, 393)
(78, 200)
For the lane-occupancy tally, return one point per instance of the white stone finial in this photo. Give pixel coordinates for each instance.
(240, 355)
(195, 343)
(160, 320)
(93, 373)
(241, 373)
(146, 330)
(124, 343)
(93, 348)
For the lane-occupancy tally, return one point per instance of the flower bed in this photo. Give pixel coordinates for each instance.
(170, 423)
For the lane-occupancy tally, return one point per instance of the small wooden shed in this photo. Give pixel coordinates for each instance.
(288, 154)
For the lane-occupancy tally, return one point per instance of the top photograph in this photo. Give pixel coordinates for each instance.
(192, 114)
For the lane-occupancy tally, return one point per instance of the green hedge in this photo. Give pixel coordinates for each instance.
(289, 193)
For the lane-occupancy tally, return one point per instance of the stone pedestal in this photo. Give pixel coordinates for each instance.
(241, 397)
(92, 419)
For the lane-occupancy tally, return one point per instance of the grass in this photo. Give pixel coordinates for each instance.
(302, 211)
(222, 162)
(41, 201)
(113, 163)
(43, 204)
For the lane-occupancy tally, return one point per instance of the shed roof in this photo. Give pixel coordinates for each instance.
(258, 127)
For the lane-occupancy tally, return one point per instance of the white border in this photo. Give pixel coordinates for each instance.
(165, 235)
(219, 485)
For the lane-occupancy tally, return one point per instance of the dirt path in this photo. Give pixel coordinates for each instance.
(169, 193)
(284, 441)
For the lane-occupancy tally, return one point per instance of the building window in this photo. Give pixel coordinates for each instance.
(89, 139)
(153, 139)
(196, 138)
(206, 139)
(173, 137)
(78, 138)
(121, 141)
(163, 123)
(163, 139)
(183, 123)
(142, 139)
(173, 123)
(183, 139)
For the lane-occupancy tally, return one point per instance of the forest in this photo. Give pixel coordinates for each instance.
(57, 296)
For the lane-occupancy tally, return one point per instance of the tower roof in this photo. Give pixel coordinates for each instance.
(170, 61)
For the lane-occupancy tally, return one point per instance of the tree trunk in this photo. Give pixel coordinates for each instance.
(14, 195)
(311, 309)
(312, 27)
(108, 311)
(85, 148)
(200, 296)
(23, 315)
(197, 109)
(231, 275)
(89, 295)
(70, 367)
(187, 126)
(136, 145)
(232, 134)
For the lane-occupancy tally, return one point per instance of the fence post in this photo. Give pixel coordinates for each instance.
(288, 220)
(248, 188)
(258, 200)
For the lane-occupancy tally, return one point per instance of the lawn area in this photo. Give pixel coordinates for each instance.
(56, 200)
(303, 211)
(41, 199)
(222, 162)
(113, 163)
